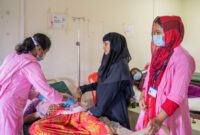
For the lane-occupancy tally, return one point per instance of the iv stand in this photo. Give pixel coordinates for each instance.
(78, 19)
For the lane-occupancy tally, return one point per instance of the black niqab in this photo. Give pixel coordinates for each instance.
(118, 52)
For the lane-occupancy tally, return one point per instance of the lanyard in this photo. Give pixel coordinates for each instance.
(155, 77)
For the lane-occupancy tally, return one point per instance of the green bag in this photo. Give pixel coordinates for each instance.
(61, 87)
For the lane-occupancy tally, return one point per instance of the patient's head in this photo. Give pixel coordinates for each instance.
(136, 76)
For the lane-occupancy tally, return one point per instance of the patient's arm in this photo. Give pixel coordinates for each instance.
(35, 116)
(53, 109)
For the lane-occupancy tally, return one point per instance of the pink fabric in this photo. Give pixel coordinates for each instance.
(174, 86)
(18, 74)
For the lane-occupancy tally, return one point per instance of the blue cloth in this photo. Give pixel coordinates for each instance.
(70, 101)
(41, 97)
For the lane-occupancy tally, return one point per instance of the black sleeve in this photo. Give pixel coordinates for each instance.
(129, 92)
(88, 87)
(105, 97)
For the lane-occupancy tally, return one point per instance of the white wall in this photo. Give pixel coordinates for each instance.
(9, 26)
(168, 7)
(191, 11)
(101, 16)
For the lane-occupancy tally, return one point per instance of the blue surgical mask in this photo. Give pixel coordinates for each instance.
(39, 58)
(137, 76)
(158, 40)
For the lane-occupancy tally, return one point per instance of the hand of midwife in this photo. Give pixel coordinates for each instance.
(153, 126)
(142, 104)
(70, 101)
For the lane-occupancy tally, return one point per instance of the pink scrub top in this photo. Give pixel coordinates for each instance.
(18, 74)
(174, 86)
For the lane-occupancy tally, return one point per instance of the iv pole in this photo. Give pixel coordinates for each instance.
(78, 19)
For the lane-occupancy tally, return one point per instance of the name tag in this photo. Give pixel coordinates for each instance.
(152, 92)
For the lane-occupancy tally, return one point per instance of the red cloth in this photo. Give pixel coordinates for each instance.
(174, 32)
(169, 107)
(92, 78)
(80, 123)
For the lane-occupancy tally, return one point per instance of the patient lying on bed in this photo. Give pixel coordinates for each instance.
(57, 119)
(74, 119)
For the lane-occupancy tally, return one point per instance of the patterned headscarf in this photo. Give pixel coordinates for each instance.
(174, 33)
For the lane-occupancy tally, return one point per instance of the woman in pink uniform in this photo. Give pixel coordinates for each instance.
(164, 98)
(19, 73)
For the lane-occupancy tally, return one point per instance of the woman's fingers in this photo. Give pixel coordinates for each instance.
(142, 104)
(153, 127)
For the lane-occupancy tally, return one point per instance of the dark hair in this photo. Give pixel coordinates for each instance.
(28, 43)
(157, 20)
(134, 70)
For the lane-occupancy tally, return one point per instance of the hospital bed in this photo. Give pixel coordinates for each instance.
(70, 89)
(196, 79)
(194, 96)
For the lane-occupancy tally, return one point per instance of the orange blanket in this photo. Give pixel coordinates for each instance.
(80, 123)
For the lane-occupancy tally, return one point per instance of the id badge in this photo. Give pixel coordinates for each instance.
(152, 92)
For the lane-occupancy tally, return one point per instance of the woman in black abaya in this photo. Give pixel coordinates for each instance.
(114, 85)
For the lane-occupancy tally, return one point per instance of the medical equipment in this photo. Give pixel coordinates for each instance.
(78, 20)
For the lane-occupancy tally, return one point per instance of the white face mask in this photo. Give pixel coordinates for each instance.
(39, 58)
(137, 76)
(158, 40)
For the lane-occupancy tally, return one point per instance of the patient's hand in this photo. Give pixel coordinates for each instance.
(78, 94)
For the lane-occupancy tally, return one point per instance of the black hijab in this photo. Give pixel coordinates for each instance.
(117, 59)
